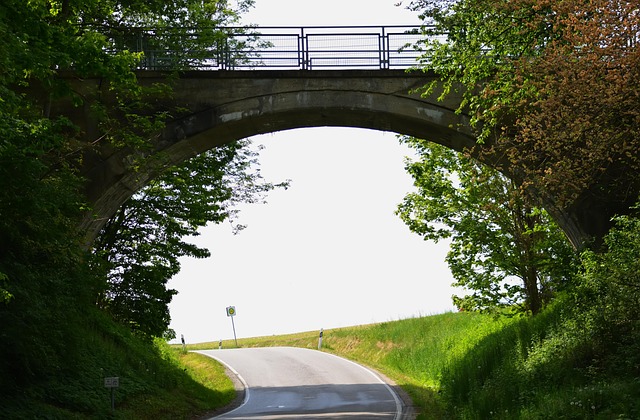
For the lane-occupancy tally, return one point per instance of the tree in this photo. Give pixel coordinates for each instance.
(504, 250)
(141, 245)
(46, 288)
(551, 86)
(108, 40)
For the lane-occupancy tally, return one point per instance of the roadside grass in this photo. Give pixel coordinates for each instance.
(155, 381)
(202, 386)
(559, 364)
(474, 366)
(412, 352)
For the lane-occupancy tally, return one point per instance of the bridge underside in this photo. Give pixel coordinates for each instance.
(230, 105)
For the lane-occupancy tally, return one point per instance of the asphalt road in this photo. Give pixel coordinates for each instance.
(294, 383)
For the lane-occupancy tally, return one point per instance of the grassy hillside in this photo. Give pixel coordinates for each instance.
(453, 365)
(156, 381)
(473, 366)
(413, 352)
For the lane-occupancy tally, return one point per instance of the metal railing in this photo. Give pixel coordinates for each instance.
(274, 48)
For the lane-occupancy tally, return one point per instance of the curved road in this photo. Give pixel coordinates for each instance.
(294, 383)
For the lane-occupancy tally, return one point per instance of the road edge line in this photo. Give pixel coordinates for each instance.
(400, 404)
(235, 372)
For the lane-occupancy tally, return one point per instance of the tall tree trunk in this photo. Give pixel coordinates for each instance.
(533, 299)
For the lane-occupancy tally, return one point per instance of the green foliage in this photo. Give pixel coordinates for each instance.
(614, 274)
(483, 38)
(5, 296)
(504, 251)
(155, 381)
(577, 359)
(47, 288)
(549, 87)
(610, 293)
(142, 244)
(43, 282)
(45, 38)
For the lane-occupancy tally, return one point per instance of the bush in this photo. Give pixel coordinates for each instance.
(579, 358)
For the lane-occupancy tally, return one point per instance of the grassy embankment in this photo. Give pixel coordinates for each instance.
(408, 351)
(156, 381)
(454, 365)
(464, 365)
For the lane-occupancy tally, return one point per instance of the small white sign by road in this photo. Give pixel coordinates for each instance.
(113, 382)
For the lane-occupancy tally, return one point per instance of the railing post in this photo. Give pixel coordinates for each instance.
(384, 63)
(300, 49)
(305, 50)
(224, 54)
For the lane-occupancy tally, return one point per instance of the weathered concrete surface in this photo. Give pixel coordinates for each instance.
(227, 106)
(230, 105)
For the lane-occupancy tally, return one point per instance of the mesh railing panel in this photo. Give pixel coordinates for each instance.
(302, 48)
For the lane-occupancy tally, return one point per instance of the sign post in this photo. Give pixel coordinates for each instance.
(113, 383)
(231, 312)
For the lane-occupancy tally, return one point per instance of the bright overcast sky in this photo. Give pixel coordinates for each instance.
(329, 251)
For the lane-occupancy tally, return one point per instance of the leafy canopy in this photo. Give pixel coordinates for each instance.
(141, 245)
(550, 85)
(504, 251)
(46, 288)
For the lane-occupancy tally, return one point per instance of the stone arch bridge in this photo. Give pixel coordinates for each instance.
(229, 104)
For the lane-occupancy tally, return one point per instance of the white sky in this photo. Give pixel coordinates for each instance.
(329, 251)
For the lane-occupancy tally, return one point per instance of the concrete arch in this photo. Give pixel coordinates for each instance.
(289, 110)
(230, 105)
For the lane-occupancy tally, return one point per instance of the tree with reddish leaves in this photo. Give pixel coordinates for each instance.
(553, 89)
